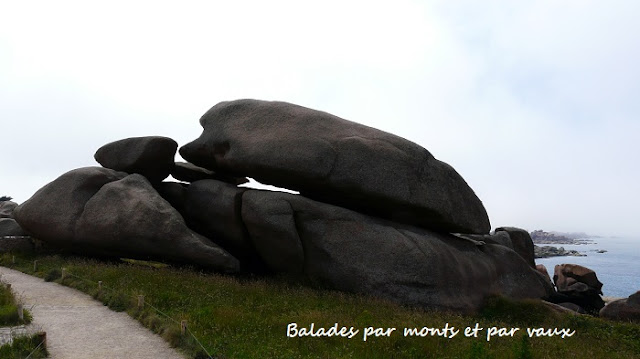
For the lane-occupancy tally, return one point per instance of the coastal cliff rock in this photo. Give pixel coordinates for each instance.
(336, 161)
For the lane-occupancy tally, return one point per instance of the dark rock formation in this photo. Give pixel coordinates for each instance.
(521, 242)
(377, 214)
(627, 309)
(511, 237)
(543, 270)
(188, 172)
(353, 252)
(6, 209)
(579, 285)
(9, 227)
(152, 156)
(573, 307)
(336, 161)
(129, 218)
(173, 192)
(212, 208)
(102, 212)
(51, 213)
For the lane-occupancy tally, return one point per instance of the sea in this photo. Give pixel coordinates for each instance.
(618, 268)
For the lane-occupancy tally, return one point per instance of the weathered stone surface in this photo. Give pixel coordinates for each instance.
(212, 208)
(501, 238)
(51, 213)
(129, 218)
(99, 211)
(627, 309)
(543, 270)
(567, 274)
(522, 243)
(510, 237)
(357, 253)
(336, 161)
(9, 227)
(188, 172)
(173, 192)
(573, 307)
(562, 309)
(152, 156)
(6, 209)
(579, 285)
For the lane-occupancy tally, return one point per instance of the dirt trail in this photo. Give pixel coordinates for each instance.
(78, 326)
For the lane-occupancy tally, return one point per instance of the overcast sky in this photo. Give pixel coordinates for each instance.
(535, 103)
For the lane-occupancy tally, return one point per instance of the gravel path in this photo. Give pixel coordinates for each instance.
(78, 326)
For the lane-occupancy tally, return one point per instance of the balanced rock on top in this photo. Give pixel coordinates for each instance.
(151, 156)
(336, 161)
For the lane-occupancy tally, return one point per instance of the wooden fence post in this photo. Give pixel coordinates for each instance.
(183, 327)
(35, 265)
(140, 301)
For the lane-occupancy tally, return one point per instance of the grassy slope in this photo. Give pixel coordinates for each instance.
(248, 318)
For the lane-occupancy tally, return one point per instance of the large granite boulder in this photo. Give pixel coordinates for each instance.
(9, 227)
(543, 270)
(566, 275)
(188, 172)
(152, 156)
(336, 161)
(129, 218)
(51, 213)
(353, 252)
(627, 309)
(98, 211)
(521, 242)
(511, 237)
(6, 209)
(212, 208)
(579, 285)
(173, 192)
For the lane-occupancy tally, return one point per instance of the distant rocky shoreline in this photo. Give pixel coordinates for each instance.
(542, 237)
(549, 251)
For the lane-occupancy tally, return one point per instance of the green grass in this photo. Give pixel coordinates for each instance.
(247, 317)
(9, 309)
(22, 347)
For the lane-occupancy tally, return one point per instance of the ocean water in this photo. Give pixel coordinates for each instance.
(618, 269)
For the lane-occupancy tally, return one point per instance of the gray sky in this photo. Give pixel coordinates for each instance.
(535, 103)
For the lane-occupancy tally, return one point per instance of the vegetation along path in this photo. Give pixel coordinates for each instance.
(77, 326)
